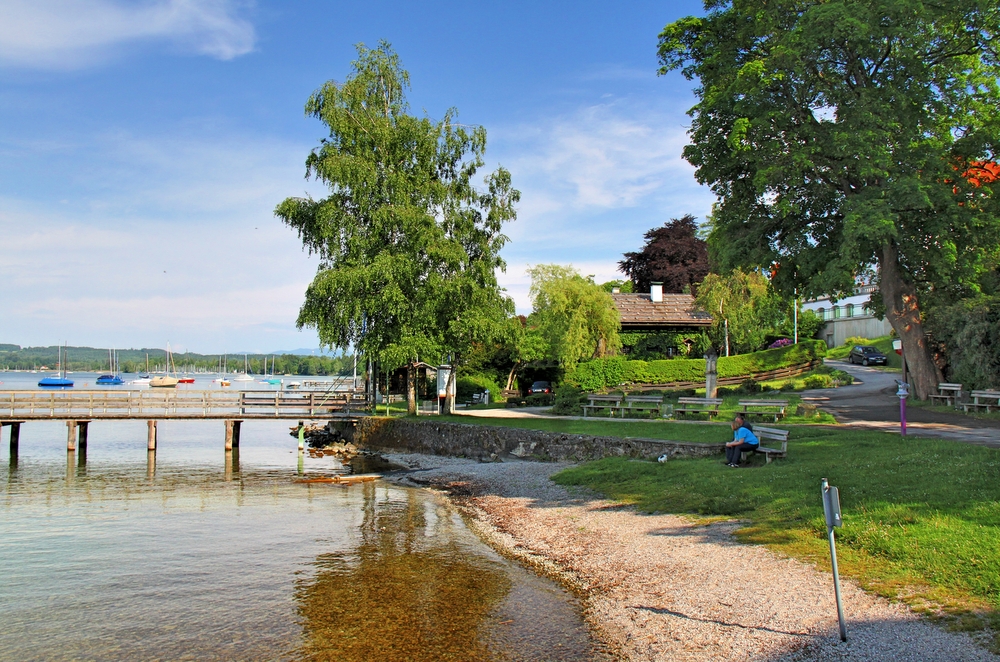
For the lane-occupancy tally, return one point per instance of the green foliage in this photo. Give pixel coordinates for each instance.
(466, 385)
(569, 400)
(809, 324)
(539, 400)
(882, 344)
(574, 318)
(408, 245)
(918, 516)
(819, 381)
(625, 286)
(612, 372)
(969, 333)
(743, 302)
(655, 346)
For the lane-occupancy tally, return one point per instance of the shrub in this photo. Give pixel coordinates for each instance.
(569, 401)
(818, 381)
(780, 342)
(539, 400)
(841, 378)
(466, 385)
(749, 385)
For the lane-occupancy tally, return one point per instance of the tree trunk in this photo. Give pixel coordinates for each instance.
(411, 389)
(449, 389)
(903, 312)
(510, 377)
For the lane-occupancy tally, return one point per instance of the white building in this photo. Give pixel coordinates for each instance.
(847, 317)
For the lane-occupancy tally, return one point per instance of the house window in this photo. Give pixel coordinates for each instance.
(850, 310)
(821, 313)
(836, 312)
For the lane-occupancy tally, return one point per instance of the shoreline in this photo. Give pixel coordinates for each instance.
(666, 587)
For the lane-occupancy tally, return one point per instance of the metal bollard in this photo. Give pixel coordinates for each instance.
(831, 509)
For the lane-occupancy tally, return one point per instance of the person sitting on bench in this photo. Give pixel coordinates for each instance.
(743, 440)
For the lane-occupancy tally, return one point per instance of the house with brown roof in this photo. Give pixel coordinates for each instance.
(658, 312)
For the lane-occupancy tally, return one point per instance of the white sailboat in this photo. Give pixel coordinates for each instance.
(244, 376)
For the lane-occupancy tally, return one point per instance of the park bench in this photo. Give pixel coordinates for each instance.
(639, 404)
(775, 408)
(950, 393)
(708, 406)
(596, 402)
(770, 434)
(982, 395)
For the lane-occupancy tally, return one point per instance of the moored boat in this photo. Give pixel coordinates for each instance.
(58, 380)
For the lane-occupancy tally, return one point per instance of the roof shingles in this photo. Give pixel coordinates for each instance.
(676, 310)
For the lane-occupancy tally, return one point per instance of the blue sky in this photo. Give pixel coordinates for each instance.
(144, 146)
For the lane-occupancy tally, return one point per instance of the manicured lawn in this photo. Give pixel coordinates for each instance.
(921, 516)
(701, 432)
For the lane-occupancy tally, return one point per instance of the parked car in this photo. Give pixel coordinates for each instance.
(866, 355)
(540, 387)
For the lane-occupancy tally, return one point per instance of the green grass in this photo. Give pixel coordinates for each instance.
(921, 516)
(882, 344)
(667, 430)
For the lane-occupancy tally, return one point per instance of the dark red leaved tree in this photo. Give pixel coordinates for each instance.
(673, 255)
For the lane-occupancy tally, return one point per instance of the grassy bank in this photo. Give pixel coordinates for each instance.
(882, 344)
(921, 516)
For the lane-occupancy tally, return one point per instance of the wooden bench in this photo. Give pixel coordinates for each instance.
(609, 402)
(775, 408)
(982, 395)
(642, 404)
(708, 406)
(770, 434)
(950, 393)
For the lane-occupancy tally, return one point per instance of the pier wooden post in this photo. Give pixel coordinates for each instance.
(15, 435)
(150, 463)
(229, 436)
(232, 434)
(70, 435)
(236, 433)
(82, 435)
(151, 435)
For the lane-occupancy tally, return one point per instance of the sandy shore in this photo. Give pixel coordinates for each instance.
(660, 587)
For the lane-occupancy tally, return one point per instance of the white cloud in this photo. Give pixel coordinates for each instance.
(70, 34)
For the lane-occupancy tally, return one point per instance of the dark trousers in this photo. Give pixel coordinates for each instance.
(733, 452)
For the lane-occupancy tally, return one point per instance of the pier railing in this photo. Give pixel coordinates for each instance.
(170, 404)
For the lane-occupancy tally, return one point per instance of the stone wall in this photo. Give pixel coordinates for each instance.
(488, 442)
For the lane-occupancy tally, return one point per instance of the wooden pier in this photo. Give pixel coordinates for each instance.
(80, 408)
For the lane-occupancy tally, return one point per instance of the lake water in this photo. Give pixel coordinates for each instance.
(196, 554)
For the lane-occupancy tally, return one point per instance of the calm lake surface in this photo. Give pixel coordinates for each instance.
(196, 554)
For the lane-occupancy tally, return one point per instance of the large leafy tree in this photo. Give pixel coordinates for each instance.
(572, 317)
(408, 245)
(744, 307)
(840, 137)
(673, 255)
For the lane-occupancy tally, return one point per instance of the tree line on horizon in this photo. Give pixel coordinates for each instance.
(93, 359)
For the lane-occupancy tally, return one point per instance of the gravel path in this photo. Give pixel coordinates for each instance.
(659, 587)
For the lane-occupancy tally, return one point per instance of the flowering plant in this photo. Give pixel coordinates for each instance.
(781, 342)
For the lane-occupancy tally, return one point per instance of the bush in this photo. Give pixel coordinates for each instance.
(749, 386)
(841, 378)
(818, 381)
(540, 400)
(466, 385)
(780, 342)
(569, 401)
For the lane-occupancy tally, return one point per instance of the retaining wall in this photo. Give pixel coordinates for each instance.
(487, 442)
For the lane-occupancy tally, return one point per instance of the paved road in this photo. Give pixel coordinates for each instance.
(873, 404)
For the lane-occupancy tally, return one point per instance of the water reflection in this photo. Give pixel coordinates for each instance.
(107, 557)
(409, 590)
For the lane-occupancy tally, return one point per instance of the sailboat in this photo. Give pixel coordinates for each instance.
(115, 377)
(167, 380)
(244, 376)
(59, 380)
(143, 379)
(269, 378)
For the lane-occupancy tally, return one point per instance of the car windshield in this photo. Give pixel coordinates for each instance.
(869, 350)
(540, 385)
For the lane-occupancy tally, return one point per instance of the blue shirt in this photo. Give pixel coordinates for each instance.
(746, 436)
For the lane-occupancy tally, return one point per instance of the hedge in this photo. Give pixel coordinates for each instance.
(612, 372)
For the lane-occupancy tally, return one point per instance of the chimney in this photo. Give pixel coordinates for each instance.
(656, 292)
(616, 290)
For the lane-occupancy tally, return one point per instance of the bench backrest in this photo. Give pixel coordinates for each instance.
(604, 398)
(985, 394)
(763, 403)
(643, 398)
(949, 387)
(700, 401)
(770, 433)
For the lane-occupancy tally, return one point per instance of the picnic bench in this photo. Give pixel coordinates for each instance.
(633, 404)
(770, 434)
(597, 402)
(993, 396)
(950, 393)
(775, 408)
(708, 406)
